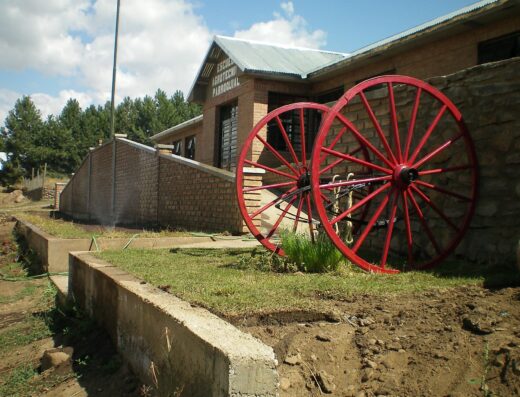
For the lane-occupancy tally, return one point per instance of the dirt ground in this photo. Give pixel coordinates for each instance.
(93, 368)
(456, 342)
(453, 342)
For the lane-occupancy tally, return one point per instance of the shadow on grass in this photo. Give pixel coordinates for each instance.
(494, 276)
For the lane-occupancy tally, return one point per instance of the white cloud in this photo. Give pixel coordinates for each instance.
(161, 45)
(7, 100)
(48, 104)
(36, 34)
(288, 29)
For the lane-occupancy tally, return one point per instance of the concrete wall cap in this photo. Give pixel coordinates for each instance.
(137, 145)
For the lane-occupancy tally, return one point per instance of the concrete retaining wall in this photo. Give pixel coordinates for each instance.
(53, 252)
(168, 342)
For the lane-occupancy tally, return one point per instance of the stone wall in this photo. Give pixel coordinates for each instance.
(151, 189)
(488, 96)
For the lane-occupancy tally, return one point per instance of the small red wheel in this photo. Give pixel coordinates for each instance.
(423, 172)
(279, 198)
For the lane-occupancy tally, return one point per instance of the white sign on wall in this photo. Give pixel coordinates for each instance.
(226, 78)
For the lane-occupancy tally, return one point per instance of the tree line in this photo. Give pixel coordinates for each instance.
(63, 141)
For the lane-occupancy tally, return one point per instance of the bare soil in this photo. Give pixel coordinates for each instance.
(454, 342)
(94, 368)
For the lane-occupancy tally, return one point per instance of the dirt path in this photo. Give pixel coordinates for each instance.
(30, 325)
(457, 342)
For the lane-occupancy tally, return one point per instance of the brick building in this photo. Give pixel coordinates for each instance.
(240, 81)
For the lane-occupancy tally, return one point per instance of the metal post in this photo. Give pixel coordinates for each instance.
(112, 120)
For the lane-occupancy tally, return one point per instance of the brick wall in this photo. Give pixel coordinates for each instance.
(423, 59)
(196, 197)
(151, 189)
(100, 199)
(80, 189)
(136, 184)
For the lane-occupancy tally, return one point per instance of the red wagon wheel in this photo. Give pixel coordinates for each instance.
(279, 198)
(423, 172)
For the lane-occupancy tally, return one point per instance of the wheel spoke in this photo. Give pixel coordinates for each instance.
(409, 237)
(424, 224)
(273, 186)
(443, 170)
(302, 137)
(335, 163)
(271, 203)
(280, 218)
(297, 218)
(371, 222)
(411, 127)
(377, 126)
(435, 152)
(390, 230)
(360, 203)
(287, 141)
(335, 141)
(277, 154)
(309, 215)
(428, 201)
(265, 167)
(428, 133)
(393, 117)
(325, 198)
(364, 141)
(445, 191)
(356, 160)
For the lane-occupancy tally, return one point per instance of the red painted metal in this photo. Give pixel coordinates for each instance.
(296, 166)
(408, 167)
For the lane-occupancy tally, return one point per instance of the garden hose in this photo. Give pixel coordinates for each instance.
(3, 277)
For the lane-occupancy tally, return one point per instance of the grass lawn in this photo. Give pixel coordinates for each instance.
(66, 229)
(225, 282)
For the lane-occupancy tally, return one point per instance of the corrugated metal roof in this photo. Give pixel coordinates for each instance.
(256, 57)
(417, 29)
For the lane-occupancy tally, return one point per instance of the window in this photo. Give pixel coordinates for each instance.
(290, 121)
(177, 148)
(500, 48)
(227, 137)
(190, 147)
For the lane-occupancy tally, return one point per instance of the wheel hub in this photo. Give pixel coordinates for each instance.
(304, 180)
(404, 176)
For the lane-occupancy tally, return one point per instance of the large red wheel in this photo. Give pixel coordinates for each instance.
(423, 172)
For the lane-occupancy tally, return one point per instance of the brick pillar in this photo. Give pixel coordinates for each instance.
(164, 149)
(58, 188)
(253, 178)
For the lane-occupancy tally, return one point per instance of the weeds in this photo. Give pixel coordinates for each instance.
(319, 256)
(17, 382)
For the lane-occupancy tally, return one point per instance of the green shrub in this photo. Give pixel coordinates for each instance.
(314, 257)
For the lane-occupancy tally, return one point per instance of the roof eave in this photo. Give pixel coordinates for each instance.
(177, 128)
(403, 41)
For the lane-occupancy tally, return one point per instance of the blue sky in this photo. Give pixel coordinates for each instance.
(57, 49)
